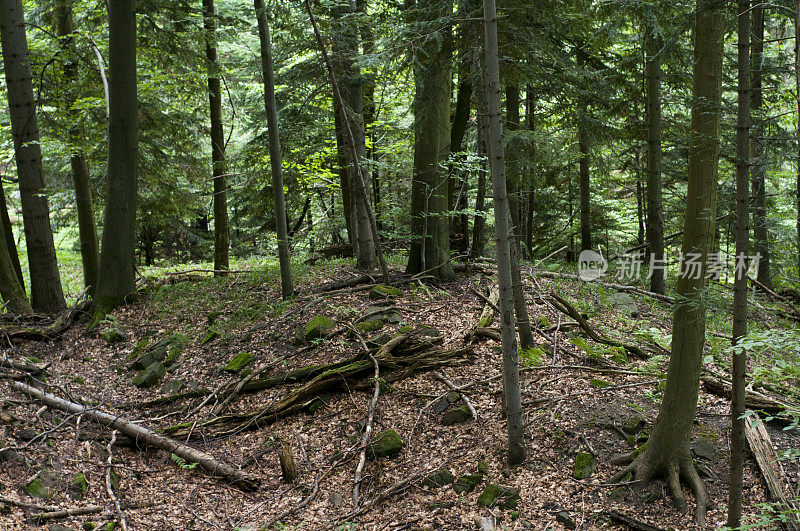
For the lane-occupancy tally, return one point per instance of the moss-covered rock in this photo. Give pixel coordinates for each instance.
(36, 488)
(150, 375)
(382, 291)
(633, 424)
(387, 444)
(467, 483)
(114, 334)
(439, 479)
(458, 415)
(318, 327)
(584, 465)
(238, 362)
(597, 383)
(498, 496)
(157, 352)
(79, 486)
(705, 448)
(210, 336)
(371, 325)
(171, 387)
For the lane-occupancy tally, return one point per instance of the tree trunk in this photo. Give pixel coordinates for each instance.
(46, 292)
(117, 275)
(740, 274)
(583, 163)
(275, 158)
(221, 241)
(8, 234)
(655, 214)
(760, 233)
(512, 162)
(87, 229)
(430, 226)
(344, 171)
(667, 452)
(457, 185)
(479, 224)
(797, 92)
(11, 289)
(530, 116)
(511, 387)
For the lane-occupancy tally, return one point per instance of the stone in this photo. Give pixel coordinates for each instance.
(387, 444)
(467, 483)
(633, 425)
(25, 434)
(371, 325)
(88, 526)
(624, 303)
(458, 415)
(149, 376)
(394, 318)
(171, 387)
(157, 352)
(238, 362)
(483, 467)
(563, 518)
(210, 336)
(79, 486)
(439, 479)
(381, 292)
(337, 499)
(114, 335)
(36, 488)
(441, 405)
(318, 327)
(499, 496)
(59, 527)
(441, 505)
(584, 465)
(705, 448)
(599, 384)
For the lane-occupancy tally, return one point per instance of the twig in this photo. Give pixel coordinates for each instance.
(109, 487)
(485, 299)
(439, 376)
(555, 339)
(362, 459)
(247, 379)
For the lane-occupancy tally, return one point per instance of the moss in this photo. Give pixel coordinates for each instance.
(584, 465)
(149, 376)
(382, 291)
(599, 384)
(318, 327)
(369, 326)
(439, 479)
(458, 415)
(210, 336)
(497, 496)
(36, 489)
(387, 444)
(114, 335)
(467, 483)
(238, 362)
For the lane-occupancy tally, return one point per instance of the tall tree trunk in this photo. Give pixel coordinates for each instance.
(87, 229)
(530, 116)
(667, 452)
(512, 162)
(8, 234)
(457, 185)
(221, 237)
(583, 163)
(511, 387)
(344, 171)
(797, 92)
(655, 214)
(760, 232)
(275, 158)
(740, 274)
(479, 224)
(369, 112)
(430, 225)
(14, 297)
(46, 292)
(117, 274)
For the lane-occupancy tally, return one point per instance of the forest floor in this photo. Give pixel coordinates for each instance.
(588, 398)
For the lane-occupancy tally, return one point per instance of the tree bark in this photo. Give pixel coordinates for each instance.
(430, 225)
(16, 301)
(583, 164)
(8, 234)
(87, 228)
(46, 293)
(479, 224)
(667, 452)
(457, 185)
(512, 162)
(797, 91)
(275, 157)
(117, 274)
(740, 276)
(511, 387)
(655, 213)
(220, 200)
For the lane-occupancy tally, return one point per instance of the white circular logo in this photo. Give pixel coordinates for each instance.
(591, 265)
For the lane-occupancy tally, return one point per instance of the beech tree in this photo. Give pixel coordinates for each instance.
(667, 452)
(46, 293)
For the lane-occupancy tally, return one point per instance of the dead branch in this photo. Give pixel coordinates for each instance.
(109, 484)
(145, 436)
(439, 376)
(362, 459)
(58, 327)
(611, 285)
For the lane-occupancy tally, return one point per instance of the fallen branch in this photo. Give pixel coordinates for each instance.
(123, 522)
(58, 327)
(370, 417)
(611, 285)
(537, 401)
(439, 376)
(753, 400)
(490, 309)
(145, 436)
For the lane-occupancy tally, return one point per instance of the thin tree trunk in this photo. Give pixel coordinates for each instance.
(583, 163)
(655, 215)
(479, 224)
(344, 171)
(512, 162)
(797, 92)
(117, 274)
(221, 237)
(275, 158)
(11, 289)
(87, 229)
(8, 234)
(457, 177)
(740, 276)
(760, 232)
(530, 106)
(46, 292)
(511, 387)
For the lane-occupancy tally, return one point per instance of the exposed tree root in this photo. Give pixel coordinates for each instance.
(55, 329)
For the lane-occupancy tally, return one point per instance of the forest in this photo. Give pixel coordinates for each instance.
(399, 264)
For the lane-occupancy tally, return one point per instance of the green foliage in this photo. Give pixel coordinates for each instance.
(532, 357)
(181, 462)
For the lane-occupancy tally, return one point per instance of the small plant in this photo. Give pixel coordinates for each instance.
(181, 462)
(533, 356)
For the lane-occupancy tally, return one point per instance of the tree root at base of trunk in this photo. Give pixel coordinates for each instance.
(643, 471)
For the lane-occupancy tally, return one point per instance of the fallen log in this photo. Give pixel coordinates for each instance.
(143, 435)
(404, 355)
(490, 309)
(625, 288)
(757, 402)
(58, 327)
(768, 462)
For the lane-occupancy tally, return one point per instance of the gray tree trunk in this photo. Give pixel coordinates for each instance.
(479, 224)
(46, 292)
(275, 158)
(655, 214)
(583, 165)
(117, 274)
(8, 234)
(511, 387)
(14, 297)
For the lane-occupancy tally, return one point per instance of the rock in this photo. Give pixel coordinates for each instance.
(371, 325)
(426, 330)
(157, 352)
(394, 318)
(458, 415)
(705, 448)
(337, 499)
(624, 303)
(36, 488)
(497, 496)
(441, 505)
(387, 444)
(453, 397)
(25, 434)
(59, 527)
(318, 327)
(378, 340)
(88, 526)
(114, 335)
(171, 387)
(11, 456)
(467, 483)
(439, 479)
(633, 425)
(149, 376)
(483, 467)
(441, 405)
(584, 465)
(563, 518)
(599, 384)
(79, 486)
(238, 362)
(210, 336)
(381, 292)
